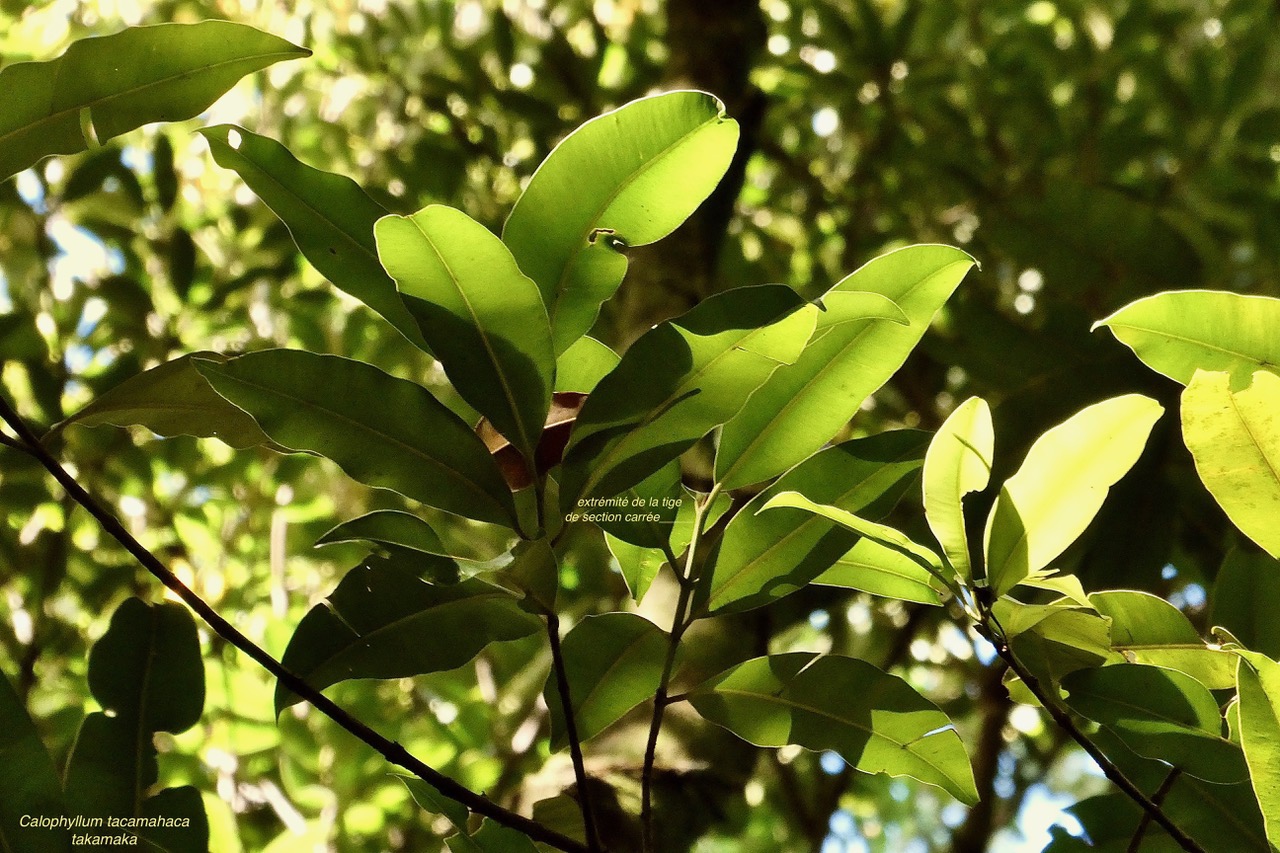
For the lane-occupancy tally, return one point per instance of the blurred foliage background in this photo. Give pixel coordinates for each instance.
(1087, 153)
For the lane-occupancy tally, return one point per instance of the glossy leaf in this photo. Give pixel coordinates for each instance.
(1159, 713)
(329, 216)
(1259, 679)
(871, 567)
(958, 462)
(766, 555)
(882, 534)
(29, 780)
(1148, 629)
(383, 621)
(1180, 331)
(656, 495)
(806, 403)
(626, 178)
(614, 662)
(1234, 436)
(103, 87)
(638, 564)
(483, 319)
(874, 720)
(581, 367)
(383, 431)
(1246, 600)
(1061, 486)
(678, 382)
(388, 527)
(171, 399)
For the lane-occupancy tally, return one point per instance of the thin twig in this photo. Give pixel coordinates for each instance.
(680, 622)
(1112, 772)
(571, 729)
(389, 749)
(1158, 799)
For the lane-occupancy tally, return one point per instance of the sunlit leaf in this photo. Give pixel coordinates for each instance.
(103, 87)
(1061, 486)
(483, 319)
(874, 720)
(1180, 331)
(1259, 679)
(766, 555)
(678, 382)
(329, 216)
(384, 621)
(383, 431)
(871, 567)
(581, 367)
(958, 462)
(803, 405)
(1234, 436)
(626, 178)
(614, 662)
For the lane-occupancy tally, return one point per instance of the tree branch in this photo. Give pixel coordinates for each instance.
(1158, 799)
(571, 728)
(1112, 772)
(680, 622)
(389, 749)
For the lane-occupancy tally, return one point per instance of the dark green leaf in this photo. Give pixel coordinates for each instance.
(173, 399)
(678, 382)
(330, 217)
(626, 178)
(28, 779)
(1148, 629)
(388, 527)
(874, 720)
(766, 555)
(804, 404)
(383, 431)
(1159, 713)
(102, 87)
(383, 621)
(1246, 600)
(614, 662)
(483, 319)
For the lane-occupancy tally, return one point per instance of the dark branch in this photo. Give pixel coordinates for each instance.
(389, 749)
(571, 728)
(1158, 799)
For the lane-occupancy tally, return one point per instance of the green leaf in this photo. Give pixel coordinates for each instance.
(679, 381)
(183, 808)
(329, 216)
(383, 621)
(28, 779)
(173, 399)
(581, 367)
(1061, 486)
(882, 534)
(383, 431)
(483, 319)
(1159, 713)
(764, 556)
(1259, 679)
(1234, 436)
(613, 662)
(1148, 629)
(639, 564)
(1179, 331)
(388, 527)
(958, 462)
(806, 403)
(874, 720)
(626, 178)
(103, 87)
(879, 570)
(1246, 600)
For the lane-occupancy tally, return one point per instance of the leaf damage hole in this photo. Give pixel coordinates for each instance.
(610, 238)
(234, 139)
